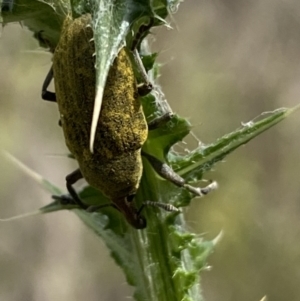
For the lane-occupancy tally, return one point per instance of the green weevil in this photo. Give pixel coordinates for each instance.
(115, 166)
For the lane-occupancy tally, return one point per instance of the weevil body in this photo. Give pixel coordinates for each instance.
(115, 166)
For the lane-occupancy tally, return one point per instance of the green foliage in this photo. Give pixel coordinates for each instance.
(163, 261)
(165, 251)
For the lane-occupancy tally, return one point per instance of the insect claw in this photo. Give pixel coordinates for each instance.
(212, 186)
(202, 191)
(64, 199)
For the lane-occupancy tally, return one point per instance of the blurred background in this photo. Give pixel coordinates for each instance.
(224, 63)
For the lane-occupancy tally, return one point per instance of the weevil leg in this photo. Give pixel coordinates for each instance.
(159, 121)
(141, 34)
(169, 174)
(71, 179)
(69, 200)
(64, 199)
(145, 87)
(47, 95)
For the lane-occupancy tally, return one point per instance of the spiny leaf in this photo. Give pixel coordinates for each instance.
(112, 21)
(34, 175)
(202, 159)
(44, 17)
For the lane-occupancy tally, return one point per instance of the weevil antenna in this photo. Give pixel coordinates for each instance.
(166, 207)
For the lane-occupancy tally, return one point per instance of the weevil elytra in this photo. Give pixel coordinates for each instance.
(115, 166)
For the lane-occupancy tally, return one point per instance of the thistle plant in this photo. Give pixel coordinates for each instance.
(164, 260)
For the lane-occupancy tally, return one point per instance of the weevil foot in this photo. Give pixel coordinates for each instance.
(165, 171)
(64, 199)
(47, 95)
(71, 179)
(198, 191)
(142, 32)
(160, 121)
(144, 88)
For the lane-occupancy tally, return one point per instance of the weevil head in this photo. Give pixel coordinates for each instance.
(126, 206)
(138, 222)
(133, 216)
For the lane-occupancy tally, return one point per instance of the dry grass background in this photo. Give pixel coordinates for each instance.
(225, 62)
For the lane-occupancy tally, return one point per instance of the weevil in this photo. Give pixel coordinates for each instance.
(115, 167)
